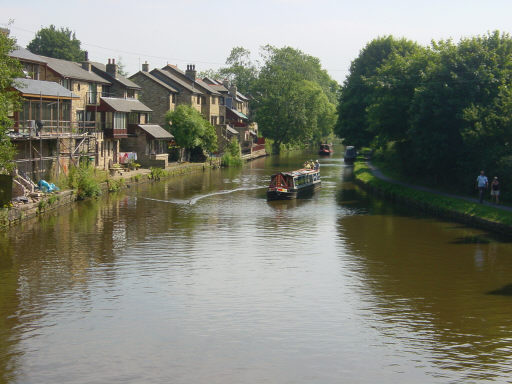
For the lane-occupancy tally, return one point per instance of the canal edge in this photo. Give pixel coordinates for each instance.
(365, 179)
(12, 216)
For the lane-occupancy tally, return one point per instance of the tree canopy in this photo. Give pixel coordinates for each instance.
(190, 129)
(9, 100)
(57, 43)
(441, 112)
(294, 97)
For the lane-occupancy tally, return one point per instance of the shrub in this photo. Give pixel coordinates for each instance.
(232, 157)
(115, 185)
(157, 173)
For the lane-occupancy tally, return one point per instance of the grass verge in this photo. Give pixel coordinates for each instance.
(436, 204)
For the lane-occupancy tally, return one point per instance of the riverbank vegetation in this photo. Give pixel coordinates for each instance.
(437, 114)
(232, 156)
(434, 203)
(293, 98)
(10, 68)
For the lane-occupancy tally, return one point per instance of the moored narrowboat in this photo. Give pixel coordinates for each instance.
(290, 185)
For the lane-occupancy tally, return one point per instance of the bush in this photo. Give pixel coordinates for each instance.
(84, 180)
(157, 173)
(115, 185)
(232, 157)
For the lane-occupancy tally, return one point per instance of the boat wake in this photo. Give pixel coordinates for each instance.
(197, 198)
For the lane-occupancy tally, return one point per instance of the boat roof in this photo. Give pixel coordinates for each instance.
(298, 172)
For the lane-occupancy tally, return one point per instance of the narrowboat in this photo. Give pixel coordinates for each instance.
(350, 155)
(325, 150)
(290, 185)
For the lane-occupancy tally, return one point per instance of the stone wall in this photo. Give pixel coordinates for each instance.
(155, 97)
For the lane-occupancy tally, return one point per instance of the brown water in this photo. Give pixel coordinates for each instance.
(200, 280)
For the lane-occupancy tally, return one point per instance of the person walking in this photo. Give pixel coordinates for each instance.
(481, 185)
(495, 190)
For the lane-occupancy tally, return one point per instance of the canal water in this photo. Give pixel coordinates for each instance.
(200, 280)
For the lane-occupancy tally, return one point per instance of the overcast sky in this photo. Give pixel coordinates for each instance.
(202, 32)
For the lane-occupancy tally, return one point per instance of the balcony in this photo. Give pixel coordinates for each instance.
(51, 128)
(113, 133)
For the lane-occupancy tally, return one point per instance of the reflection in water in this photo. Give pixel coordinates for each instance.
(201, 280)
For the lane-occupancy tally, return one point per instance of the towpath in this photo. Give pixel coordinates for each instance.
(377, 173)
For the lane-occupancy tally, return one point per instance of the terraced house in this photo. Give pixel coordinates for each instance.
(156, 94)
(123, 116)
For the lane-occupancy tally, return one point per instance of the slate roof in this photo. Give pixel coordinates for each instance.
(125, 105)
(44, 88)
(119, 78)
(73, 70)
(24, 54)
(156, 131)
(156, 80)
(219, 88)
(175, 79)
(199, 82)
(210, 81)
(241, 96)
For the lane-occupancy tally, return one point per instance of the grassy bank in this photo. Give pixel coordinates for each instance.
(468, 212)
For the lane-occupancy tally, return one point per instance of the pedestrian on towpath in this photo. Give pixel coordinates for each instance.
(481, 185)
(495, 190)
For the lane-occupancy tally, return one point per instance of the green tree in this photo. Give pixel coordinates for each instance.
(357, 92)
(293, 97)
(190, 129)
(57, 43)
(240, 70)
(121, 68)
(9, 100)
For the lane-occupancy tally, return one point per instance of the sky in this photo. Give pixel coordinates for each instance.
(202, 32)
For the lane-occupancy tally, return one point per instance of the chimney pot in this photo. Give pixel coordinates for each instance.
(145, 67)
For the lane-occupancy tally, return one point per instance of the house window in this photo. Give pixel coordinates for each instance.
(203, 100)
(214, 120)
(221, 118)
(133, 118)
(119, 120)
(198, 99)
(93, 93)
(221, 100)
(66, 83)
(131, 93)
(214, 100)
(173, 98)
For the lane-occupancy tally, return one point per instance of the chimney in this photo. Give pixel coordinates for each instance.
(145, 67)
(112, 68)
(233, 90)
(85, 64)
(191, 72)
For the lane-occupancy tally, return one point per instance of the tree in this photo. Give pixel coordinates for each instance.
(190, 129)
(121, 68)
(357, 93)
(9, 100)
(57, 43)
(240, 70)
(292, 97)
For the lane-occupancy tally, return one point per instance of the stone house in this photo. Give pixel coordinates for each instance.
(210, 98)
(34, 67)
(187, 95)
(120, 86)
(46, 142)
(150, 142)
(156, 94)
